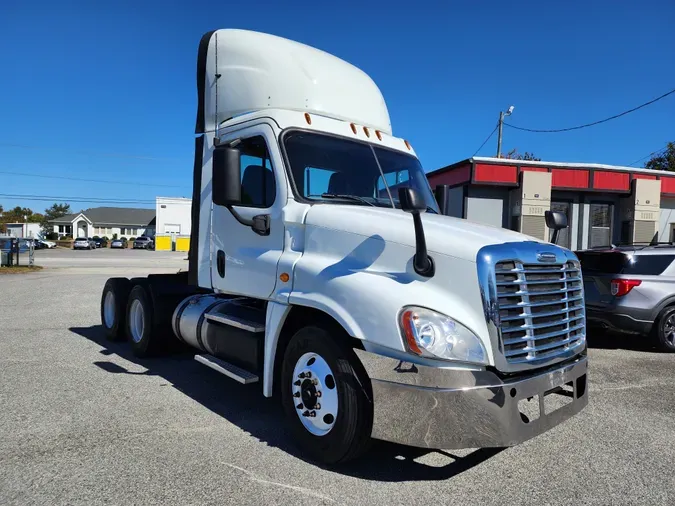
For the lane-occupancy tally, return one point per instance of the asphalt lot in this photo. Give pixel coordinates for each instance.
(83, 422)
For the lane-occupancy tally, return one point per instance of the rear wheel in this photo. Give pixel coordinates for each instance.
(113, 307)
(324, 396)
(665, 329)
(143, 334)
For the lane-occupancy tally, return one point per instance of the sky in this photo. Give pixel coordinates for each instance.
(107, 91)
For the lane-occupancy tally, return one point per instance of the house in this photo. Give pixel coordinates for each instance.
(106, 222)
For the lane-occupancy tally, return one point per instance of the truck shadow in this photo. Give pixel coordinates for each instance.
(259, 416)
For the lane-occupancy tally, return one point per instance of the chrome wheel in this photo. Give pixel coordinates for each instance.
(136, 321)
(109, 310)
(669, 330)
(315, 394)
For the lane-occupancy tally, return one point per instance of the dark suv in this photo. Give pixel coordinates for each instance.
(632, 289)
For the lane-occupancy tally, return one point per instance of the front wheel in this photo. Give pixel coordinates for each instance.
(664, 330)
(113, 307)
(324, 396)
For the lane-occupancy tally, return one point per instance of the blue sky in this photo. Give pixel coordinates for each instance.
(119, 78)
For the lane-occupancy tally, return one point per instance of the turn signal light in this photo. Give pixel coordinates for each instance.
(379, 134)
(366, 131)
(407, 145)
(407, 323)
(353, 127)
(621, 287)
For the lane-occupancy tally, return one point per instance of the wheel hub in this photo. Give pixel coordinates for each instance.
(315, 394)
(109, 309)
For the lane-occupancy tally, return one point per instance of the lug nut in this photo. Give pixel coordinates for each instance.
(312, 414)
(315, 381)
(318, 393)
(306, 413)
(318, 406)
(297, 383)
(301, 375)
(299, 406)
(296, 394)
(308, 374)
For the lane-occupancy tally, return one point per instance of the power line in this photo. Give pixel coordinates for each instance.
(487, 139)
(46, 198)
(91, 153)
(595, 122)
(91, 180)
(658, 151)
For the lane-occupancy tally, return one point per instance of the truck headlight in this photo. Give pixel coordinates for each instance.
(433, 334)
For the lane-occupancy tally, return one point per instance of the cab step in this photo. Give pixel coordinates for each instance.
(237, 313)
(230, 370)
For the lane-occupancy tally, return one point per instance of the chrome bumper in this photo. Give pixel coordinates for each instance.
(430, 407)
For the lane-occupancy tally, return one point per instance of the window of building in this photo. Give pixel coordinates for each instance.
(564, 236)
(258, 187)
(600, 229)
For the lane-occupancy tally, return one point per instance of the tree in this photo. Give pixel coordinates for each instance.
(51, 213)
(663, 160)
(514, 155)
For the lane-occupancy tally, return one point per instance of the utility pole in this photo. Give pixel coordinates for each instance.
(502, 115)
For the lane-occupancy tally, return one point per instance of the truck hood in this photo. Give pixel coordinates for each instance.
(444, 235)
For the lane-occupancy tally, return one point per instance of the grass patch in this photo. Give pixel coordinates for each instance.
(19, 269)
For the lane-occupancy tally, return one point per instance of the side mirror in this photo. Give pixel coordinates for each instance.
(411, 200)
(226, 180)
(555, 220)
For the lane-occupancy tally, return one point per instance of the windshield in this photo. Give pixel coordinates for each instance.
(324, 168)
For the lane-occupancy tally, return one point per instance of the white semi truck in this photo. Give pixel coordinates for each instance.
(320, 266)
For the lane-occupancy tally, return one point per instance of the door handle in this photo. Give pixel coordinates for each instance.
(220, 262)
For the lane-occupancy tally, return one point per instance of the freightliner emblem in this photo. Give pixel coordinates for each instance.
(546, 257)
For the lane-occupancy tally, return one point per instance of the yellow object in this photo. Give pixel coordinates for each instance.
(163, 243)
(183, 243)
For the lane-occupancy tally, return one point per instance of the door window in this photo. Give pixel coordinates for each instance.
(258, 187)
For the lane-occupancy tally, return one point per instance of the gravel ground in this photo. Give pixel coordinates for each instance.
(83, 422)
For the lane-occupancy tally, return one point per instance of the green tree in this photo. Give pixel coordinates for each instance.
(51, 213)
(663, 160)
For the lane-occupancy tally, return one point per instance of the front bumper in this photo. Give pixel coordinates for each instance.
(431, 407)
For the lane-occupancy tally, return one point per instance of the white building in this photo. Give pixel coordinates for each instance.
(173, 216)
(106, 222)
(23, 229)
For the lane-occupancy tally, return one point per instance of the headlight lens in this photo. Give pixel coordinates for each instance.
(429, 333)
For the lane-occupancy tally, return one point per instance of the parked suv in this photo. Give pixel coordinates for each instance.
(144, 242)
(632, 289)
(84, 243)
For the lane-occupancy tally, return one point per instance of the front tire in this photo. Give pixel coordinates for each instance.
(664, 330)
(324, 396)
(114, 306)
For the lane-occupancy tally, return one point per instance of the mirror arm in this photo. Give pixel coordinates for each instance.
(260, 224)
(239, 217)
(422, 262)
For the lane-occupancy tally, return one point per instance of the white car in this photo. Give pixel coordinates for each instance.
(83, 243)
(47, 244)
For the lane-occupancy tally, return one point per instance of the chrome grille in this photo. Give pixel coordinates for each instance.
(541, 310)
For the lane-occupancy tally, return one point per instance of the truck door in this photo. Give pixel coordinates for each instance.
(244, 262)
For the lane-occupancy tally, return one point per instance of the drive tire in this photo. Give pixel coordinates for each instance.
(142, 333)
(349, 437)
(115, 325)
(664, 330)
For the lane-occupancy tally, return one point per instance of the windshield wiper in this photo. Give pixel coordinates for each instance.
(346, 197)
